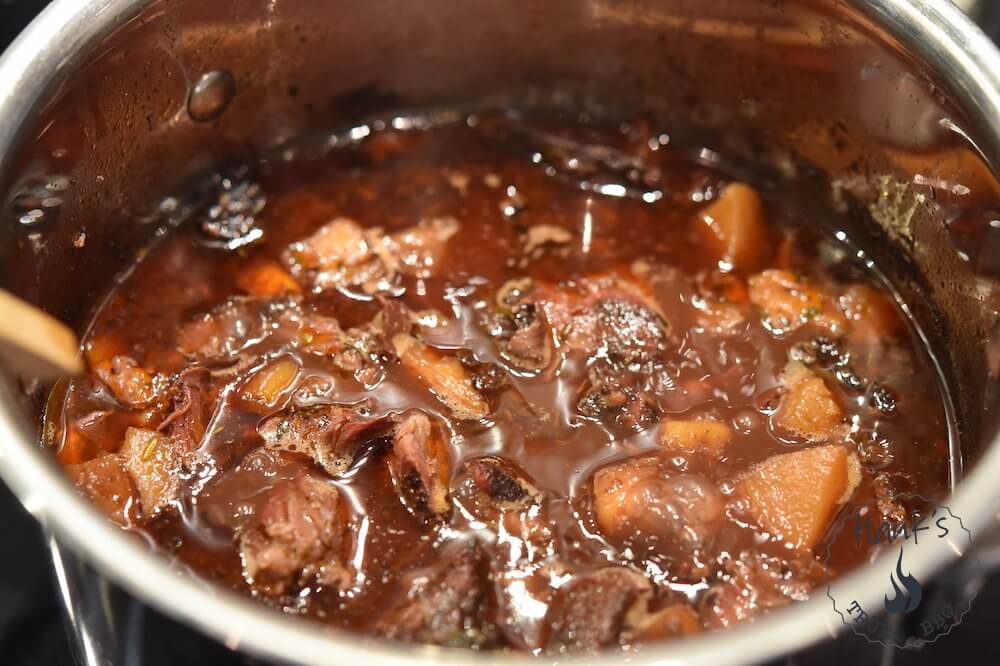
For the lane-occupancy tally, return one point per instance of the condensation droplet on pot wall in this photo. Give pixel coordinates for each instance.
(210, 95)
(39, 200)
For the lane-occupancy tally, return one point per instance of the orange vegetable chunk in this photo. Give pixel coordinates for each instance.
(268, 384)
(794, 495)
(788, 301)
(443, 375)
(873, 315)
(265, 278)
(102, 348)
(808, 408)
(736, 223)
(710, 437)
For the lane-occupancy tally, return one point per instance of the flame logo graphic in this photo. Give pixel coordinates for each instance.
(903, 601)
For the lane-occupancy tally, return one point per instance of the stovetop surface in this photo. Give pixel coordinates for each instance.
(32, 632)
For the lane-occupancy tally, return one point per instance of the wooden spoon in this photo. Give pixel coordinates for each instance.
(34, 343)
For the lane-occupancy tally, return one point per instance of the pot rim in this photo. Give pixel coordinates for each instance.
(43, 57)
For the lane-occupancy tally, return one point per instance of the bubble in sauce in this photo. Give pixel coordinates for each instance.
(210, 95)
(40, 200)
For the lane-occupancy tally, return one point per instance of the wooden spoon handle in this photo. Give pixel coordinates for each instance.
(34, 343)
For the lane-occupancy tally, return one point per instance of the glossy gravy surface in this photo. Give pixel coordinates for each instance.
(577, 499)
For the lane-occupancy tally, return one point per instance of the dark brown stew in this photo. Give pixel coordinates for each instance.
(501, 384)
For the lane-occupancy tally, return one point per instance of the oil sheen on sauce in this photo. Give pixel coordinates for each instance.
(533, 210)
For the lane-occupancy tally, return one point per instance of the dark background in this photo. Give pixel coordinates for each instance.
(31, 625)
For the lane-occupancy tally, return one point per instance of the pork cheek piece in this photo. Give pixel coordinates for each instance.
(297, 537)
(333, 436)
(449, 606)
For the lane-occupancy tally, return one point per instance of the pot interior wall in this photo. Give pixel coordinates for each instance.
(807, 88)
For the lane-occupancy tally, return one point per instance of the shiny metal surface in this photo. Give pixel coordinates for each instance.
(89, 611)
(942, 36)
(52, 51)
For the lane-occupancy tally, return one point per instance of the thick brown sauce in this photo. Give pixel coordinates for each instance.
(473, 172)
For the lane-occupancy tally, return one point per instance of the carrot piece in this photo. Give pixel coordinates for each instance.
(617, 504)
(873, 316)
(736, 224)
(789, 301)
(75, 448)
(443, 375)
(268, 384)
(102, 348)
(266, 278)
(710, 437)
(794, 495)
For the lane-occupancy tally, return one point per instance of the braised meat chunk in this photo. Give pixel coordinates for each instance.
(344, 254)
(607, 315)
(639, 503)
(609, 395)
(503, 381)
(107, 483)
(332, 435)
(155, 463)
(132, 384)
(754, 583)
(191, 407)
(227, 329)
(591, 610)
(447, 606)
(420, 464)
(525, 339)
(297, 538)
(499, 480)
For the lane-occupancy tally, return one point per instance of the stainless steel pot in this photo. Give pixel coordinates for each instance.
(896, 101)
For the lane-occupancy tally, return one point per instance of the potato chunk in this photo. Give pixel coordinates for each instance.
(794, 495)
(709, 437)
(443, 375)
(736, 223)
(789, 301)
(153, 462)
(808, 408)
